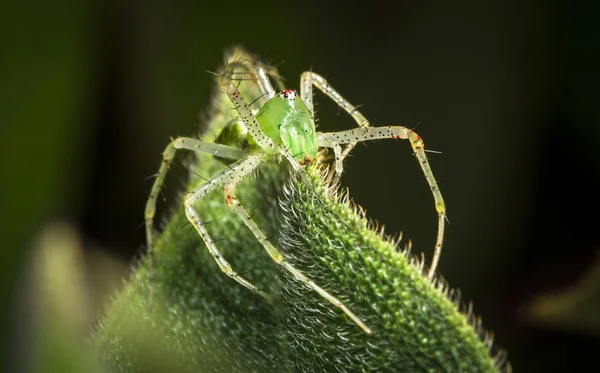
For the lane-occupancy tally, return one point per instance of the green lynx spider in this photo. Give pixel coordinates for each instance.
(284, 125)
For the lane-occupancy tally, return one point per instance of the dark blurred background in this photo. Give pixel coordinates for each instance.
(506, 90)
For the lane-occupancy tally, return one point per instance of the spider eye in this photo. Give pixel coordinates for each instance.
(288, 94)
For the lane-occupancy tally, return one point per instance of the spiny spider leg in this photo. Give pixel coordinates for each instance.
(399, 132)
(309, 79)
(168, 155)
(295, 165)
(250, 163)
(235, 62)
(350, 137)
(243, 109)
(257, 72)
(260, 71)
(263, 81)
(218, 181)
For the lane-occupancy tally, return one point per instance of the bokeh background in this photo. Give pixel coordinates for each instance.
(506, 90)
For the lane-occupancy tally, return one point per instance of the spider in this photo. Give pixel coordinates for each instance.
(283, 126)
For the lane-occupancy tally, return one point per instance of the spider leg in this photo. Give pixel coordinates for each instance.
(309, 79)
(399, 132)
(168, 155)
(245, 113)
(255, 70)
(247, 166)
(295, 165)
(263, 81)
(238, 168)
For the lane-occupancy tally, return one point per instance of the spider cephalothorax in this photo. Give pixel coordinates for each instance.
(288, 122)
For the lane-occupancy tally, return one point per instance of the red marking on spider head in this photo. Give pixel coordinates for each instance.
(288, 94)
(396, 136)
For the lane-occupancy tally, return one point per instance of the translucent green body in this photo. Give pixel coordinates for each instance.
(288, 122)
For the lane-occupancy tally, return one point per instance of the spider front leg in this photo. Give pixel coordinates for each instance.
(245, 113)
(263, 72)
(250, 163)
(218, 181)
(309, 79)
(236, 176)
(168, 155)
(257, 71)
(399, 132)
